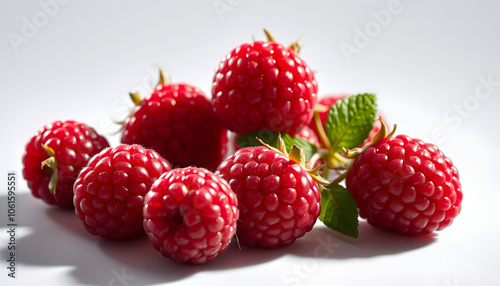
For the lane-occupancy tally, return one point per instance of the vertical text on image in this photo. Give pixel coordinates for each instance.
(11, 223)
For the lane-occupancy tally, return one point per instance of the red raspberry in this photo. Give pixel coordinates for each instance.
(178, 121)
(110, 190)
(190, 215)
(51, 170)
(279, 201)
(264, 85)
(329, 101)
(406, 186)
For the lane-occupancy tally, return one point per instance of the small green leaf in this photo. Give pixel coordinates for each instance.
(350, 121)
(339, 211)
(271, 138)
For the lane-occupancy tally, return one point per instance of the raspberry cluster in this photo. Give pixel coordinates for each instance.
(175, 179)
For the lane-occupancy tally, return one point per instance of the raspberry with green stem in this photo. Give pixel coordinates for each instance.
(353, 153)
(404, 185)
(55, 155)
(264, 85)
(279, 198)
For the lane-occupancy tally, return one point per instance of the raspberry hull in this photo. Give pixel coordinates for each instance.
(73, 144)
(264, 85)
(110, 190)
(190, 215)
(406, 186)
(279, 201)
(306, 133)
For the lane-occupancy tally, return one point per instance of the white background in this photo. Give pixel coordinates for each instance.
(427, 62)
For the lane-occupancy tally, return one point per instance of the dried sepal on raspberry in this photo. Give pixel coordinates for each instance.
(279, 200)
(264, 85)
(295, 45)
(54, 156)
(355, 152)
(162, 80)
(306, 140)
(177, 120)
(136, 99)
(297, 155)
(51, 163)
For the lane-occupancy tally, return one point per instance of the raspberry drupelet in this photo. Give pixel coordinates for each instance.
(190, 215)
(110, 190)
(404, 185)
(178, 121)
(264, 85)
(279, 201)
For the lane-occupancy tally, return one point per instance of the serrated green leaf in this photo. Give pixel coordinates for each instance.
(350, 121)
(339, 211)
(271, 138)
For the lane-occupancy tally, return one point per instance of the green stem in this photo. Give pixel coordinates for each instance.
(343, 175)
(325, 173)
(321, 131)
(340, 158)
(315, 158)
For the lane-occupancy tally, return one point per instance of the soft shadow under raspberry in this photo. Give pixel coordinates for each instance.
(57, 238)
(322, 242)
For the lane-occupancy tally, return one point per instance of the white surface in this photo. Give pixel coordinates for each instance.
(424, 63)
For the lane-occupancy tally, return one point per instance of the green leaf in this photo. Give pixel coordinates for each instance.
(350, 121)
(339, 211)
(271, 138)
